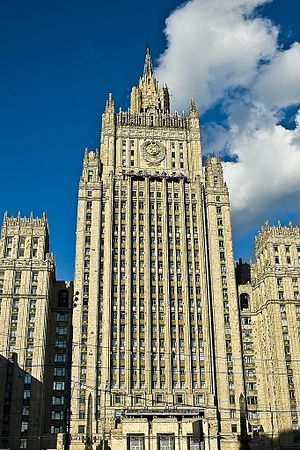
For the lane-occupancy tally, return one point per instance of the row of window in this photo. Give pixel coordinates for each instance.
(23, 240)
(287, 248)
(18, 276)
(290, 379)
(17, 283)
(288, 260)
(153, 193)
(228, 342)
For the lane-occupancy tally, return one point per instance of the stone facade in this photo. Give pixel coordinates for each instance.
(270, 317)
(29, 306)
(158, 319)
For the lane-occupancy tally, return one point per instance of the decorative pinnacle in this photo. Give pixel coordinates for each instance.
(148, 69)
(193, 107)
(109, 104)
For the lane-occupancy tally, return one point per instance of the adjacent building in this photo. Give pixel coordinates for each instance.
(58, 364)
(270, 318)
(31, 300)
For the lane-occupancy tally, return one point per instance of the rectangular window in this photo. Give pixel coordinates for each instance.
(58, 385)
(18, 277)
(26, 394)
(25, 411)
(252, 400)
(138, 399)
(32, 304)
(166, 442)
(17, 288)
(231, 399)
(62, 317)
(15, 303)
(159, 398)
(35, 276)
(27, 379)
(58, 400)
(8, 248)
(60, 357)
(61, 343)
(23, 443)
(57, 415)
(24, 426)
(135, 442)
(61, 330)
(179, 399)
(117, 398)
(31, 318)
(199, 399)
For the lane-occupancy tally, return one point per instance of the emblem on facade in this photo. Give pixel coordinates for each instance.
(154, 152)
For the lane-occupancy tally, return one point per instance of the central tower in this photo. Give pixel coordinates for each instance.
(157, 357)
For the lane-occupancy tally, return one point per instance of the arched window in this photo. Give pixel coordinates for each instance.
(244, 301)
(63, 299)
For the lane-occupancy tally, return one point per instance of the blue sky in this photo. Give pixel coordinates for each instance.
(61, 58)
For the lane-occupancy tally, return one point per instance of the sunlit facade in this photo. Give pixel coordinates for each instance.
(156, 358)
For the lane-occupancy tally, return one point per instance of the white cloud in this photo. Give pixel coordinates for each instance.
(279, 83)
(267, 171)
(213, 46)
(220, 51)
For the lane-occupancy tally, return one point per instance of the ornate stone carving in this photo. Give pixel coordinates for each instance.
(154, 152)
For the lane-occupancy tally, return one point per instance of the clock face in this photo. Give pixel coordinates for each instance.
(154, 152)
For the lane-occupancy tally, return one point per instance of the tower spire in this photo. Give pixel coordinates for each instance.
(147, 96)
(148, 69)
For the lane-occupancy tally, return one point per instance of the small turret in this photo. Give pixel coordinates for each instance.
(193, 108)
(109, 104)
(214, 172)
(194, 116)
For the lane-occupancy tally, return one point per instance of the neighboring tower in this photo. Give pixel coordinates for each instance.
(276, 305)
(26, 274)
(157, 359)
(221, 285)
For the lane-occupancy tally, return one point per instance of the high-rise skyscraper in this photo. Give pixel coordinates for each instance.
(156, 354)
